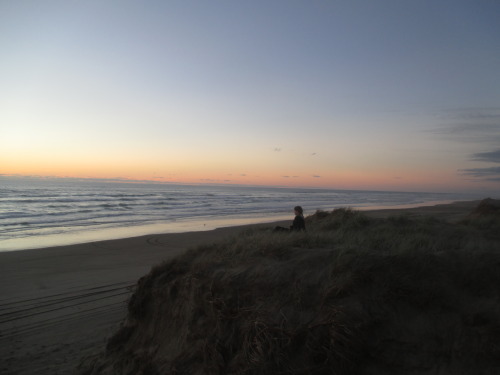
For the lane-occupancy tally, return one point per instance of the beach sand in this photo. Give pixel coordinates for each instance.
(60, 304)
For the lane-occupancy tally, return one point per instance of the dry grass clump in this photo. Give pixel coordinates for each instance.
(486, 217)
(352, 295)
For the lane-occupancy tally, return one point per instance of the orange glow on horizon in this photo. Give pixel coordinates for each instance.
(346, 179)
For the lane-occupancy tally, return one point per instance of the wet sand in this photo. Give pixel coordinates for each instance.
(60, 304)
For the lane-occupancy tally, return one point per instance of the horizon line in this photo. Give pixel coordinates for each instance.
(125, 180)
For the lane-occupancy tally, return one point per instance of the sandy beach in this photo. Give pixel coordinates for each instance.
(60, 304)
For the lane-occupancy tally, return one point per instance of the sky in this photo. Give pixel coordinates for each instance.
(349, 94)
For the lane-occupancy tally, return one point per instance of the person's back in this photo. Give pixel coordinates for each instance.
(298, 223)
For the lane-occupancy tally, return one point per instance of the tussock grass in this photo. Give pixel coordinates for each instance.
(352, 295)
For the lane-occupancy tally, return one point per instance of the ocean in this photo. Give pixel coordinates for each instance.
(37, 213)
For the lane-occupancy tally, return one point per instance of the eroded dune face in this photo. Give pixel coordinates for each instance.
(353, 295)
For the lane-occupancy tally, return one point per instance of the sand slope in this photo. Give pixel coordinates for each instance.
(356, 294)
(60, 304)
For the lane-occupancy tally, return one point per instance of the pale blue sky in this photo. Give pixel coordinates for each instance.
(356, 94)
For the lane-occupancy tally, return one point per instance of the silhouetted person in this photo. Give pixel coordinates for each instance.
(298, 223)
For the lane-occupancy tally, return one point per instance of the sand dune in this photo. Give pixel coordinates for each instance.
(58, 305)
(352, 295)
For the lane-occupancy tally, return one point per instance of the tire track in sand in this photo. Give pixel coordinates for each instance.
(49, 334)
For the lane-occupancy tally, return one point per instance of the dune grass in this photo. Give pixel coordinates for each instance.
(352, 295)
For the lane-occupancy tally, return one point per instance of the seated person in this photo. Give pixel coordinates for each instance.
(298, 223)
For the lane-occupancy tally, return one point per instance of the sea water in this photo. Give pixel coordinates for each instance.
(37, 213)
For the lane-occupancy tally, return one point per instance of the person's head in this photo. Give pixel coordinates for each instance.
(298, 210)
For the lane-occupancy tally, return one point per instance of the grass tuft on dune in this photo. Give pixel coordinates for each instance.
(352, 295)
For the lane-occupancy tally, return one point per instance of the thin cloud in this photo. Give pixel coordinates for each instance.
(211, 180)
(493, 156)
(470, 125)
(474, 126)
(470, 132)
(474, 114)
(490, 174)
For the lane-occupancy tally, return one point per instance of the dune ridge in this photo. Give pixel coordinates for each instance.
(355, 294)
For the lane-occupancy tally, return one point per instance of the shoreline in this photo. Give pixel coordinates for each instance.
(60, 304)
(175, 227)
(125, 232)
